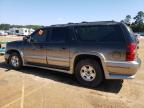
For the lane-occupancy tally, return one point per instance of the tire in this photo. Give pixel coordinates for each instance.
(89, 73)
(15, 61)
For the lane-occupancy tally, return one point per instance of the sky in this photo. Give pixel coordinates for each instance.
(47, 12)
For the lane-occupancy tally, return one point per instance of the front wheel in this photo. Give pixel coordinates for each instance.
(15, 61)
(89, 73)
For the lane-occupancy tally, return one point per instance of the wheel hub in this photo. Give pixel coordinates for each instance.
(15, 61)
(88, 73)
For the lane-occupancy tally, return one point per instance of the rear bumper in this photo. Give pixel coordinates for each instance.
(122, 70)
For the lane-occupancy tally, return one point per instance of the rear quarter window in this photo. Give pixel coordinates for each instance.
(100, 33)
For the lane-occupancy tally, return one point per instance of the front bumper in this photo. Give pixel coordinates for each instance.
(6, 57)
(122, 70)
(2, 50)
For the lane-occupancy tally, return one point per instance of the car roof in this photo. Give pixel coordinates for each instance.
(84, 24)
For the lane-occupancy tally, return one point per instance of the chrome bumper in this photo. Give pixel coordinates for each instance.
(6, 57)
(122, 70)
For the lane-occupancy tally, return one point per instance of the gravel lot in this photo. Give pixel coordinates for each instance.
(39, 88)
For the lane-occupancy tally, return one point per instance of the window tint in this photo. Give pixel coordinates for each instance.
(59, 34)
(40, 35)
(100, 33)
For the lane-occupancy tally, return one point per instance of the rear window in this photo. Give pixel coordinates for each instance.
(100, 33)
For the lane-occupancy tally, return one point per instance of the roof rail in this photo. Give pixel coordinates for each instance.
(70, 23)
(84, 22)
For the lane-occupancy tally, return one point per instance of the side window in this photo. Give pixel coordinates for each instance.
(40, 35)
(100, 33)
(59, 35)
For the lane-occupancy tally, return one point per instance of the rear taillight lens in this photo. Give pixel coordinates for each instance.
(130, 53)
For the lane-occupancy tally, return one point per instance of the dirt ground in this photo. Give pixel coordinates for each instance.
(39, 88)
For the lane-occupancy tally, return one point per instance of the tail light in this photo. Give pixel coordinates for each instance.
(131, 51)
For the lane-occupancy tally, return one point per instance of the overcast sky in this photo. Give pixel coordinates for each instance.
(47, 12)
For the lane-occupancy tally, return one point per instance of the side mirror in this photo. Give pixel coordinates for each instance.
(27, 39)
(24, 38)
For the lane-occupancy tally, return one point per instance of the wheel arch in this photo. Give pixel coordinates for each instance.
(98, 57)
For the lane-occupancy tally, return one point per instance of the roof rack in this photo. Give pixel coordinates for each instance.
(70, 23)
(85, 23)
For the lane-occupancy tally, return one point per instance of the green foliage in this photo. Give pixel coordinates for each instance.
(139, 18)
(4, 26)
(138, 24)
(7, 26)
(33, 26)
(137, 27)
(127, 19)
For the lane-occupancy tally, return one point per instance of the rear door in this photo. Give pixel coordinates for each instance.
(58, 48)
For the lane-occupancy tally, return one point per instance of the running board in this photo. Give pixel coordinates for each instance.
(47, 68)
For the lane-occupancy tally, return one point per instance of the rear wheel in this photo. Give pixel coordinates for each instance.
(89, 73)
(15, 61)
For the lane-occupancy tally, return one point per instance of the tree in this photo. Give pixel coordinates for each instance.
(4, 26)
(127, 19)
(7, 26)
(139, 18)
(33, 26)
